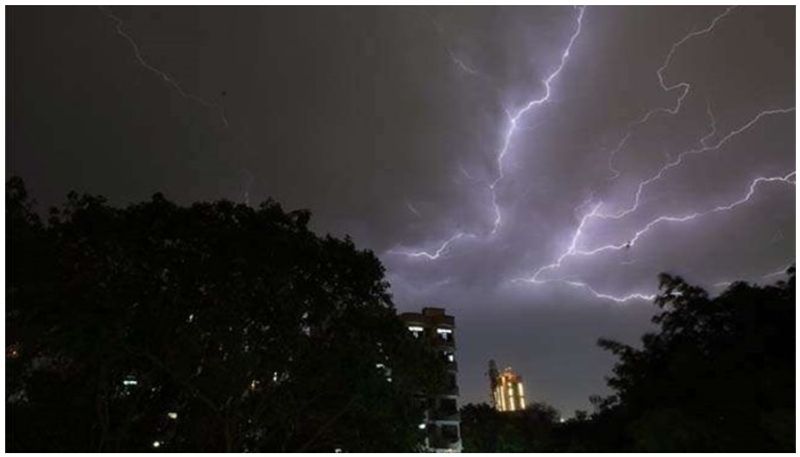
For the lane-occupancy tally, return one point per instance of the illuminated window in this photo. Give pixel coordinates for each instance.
(172, 415)
(445, 334)
(416, 330)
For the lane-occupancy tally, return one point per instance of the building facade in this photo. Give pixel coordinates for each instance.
(442, 419)
(508, 393)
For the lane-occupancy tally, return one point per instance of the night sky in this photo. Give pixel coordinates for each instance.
(531, 169)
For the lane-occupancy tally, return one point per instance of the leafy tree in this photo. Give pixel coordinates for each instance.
(718, 376)
(214, 327)
(484, 429)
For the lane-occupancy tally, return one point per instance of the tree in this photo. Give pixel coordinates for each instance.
(214, 327)
(484, 429)
(719, 376)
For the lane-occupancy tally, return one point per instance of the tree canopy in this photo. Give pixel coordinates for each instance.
(718, 376)
(213, 327)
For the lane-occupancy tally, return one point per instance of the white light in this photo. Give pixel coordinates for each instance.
(443, 331)
(415, 328)
(451, 357)
(172, 415)
(422, 426)
(129, 382)
(156, 443)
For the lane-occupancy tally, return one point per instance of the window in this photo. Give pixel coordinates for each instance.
(446, 334)
(416, 330)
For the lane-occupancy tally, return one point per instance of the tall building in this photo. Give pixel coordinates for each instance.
(442, 419)
(493, 377)
(508, 394)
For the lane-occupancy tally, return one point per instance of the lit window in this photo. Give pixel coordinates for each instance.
(130, 381)
(451, 357)
(422, 426)
(156, 443)
(172, 415)
(444, 331)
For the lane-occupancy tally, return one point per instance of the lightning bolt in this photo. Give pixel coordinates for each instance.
(572, 249)
(779, 272)
(679, 159)
(460, 63)
(438, 252)
(453, 57)
(684, 86)
(412, 209)
(166, 77)
(751, 191)
(710, 141)
(513, 119)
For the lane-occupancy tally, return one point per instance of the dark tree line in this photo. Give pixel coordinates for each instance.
(213, 327)
(719, 375)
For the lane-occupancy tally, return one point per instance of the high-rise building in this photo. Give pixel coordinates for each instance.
(442, 419)
(508, 394)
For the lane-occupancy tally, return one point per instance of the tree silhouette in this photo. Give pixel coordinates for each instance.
(214, 327)
(718, 376)
(485, 429)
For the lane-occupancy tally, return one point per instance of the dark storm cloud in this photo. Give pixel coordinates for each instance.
(387, 123)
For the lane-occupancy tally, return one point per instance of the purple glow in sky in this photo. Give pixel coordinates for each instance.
(531, 169)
